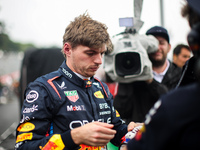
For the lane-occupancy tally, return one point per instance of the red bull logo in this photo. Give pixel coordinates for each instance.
(50, 146)
(54, 143)
(88, 84)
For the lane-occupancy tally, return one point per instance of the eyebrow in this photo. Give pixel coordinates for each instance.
(96, 51)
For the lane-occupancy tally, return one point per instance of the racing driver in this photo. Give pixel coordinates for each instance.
(70, 109)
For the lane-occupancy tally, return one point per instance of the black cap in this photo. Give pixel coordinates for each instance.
(195, 4)
(158, 31)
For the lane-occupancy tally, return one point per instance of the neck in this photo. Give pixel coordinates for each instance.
(82, 77)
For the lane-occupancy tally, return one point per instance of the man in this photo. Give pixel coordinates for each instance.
(135, 99)
(181, 54)
(174, 121)
(69, 108)
(164, 71)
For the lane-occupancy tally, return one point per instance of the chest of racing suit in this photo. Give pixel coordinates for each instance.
(58, 102)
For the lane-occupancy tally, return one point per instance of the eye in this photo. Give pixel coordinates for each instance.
(102, 53)
(90, 53)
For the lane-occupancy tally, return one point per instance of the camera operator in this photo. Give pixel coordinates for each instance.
(164, 71)
(133, 100)
(174, 121)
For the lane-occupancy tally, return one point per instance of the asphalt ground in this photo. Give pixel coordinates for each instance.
(9, 119)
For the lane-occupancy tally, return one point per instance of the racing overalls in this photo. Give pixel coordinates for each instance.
(60, 101)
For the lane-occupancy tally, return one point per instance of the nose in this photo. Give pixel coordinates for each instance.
(98, 59)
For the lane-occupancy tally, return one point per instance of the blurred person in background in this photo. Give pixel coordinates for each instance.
(174, 121)
(134, 100)
(181, 54)
(164, 71)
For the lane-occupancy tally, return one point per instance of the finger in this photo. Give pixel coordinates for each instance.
(139, 124)
(104, 124)
(105, 130)
(131, 126)
(99, 142)
(105, 136)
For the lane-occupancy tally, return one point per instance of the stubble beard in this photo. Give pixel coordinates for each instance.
(157, 63)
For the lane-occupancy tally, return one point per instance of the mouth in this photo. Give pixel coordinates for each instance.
(94, 69)
(157, 54)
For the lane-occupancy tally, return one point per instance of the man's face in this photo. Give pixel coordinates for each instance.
(181, 59)
(159, 57)
(85, 60)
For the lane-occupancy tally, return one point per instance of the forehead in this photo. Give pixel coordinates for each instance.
(161, 39)
(185, 50)
(101, 49)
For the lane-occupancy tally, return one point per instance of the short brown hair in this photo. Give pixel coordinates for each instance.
(87, 32)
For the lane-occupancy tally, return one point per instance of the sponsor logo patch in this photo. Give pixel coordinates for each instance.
(26, 127)
(66, 73)
(72, 95)
(88, 84)
(76, 108)
(29, 110)
(98, 94)
(25, 119)
(97, 84)
(117, 113)
(62, 86)
(55, 143)
(105, 113)
(104, 106)
(24, 136)
(32, 96)
(86, 147)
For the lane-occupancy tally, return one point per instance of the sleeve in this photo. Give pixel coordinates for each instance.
(33, 131)
(157, 89)
(123, 100)
(157, 131)
(119, 124)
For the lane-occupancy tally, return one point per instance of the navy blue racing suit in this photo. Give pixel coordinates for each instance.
(56, 103)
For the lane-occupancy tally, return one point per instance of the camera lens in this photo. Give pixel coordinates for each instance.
(127, 63)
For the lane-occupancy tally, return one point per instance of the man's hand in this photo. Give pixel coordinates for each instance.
(132, 125)
(93, 134)
(123, 147)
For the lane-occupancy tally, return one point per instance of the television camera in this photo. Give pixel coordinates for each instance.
(129, 60)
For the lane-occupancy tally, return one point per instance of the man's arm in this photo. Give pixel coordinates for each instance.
(34, 129)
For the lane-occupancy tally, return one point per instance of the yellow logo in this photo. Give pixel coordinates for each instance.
(85, 147)
(24, 136)
(98, 94)
(54, 143)
(26, 127)
(117, 113)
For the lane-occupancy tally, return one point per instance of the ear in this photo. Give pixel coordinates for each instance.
(174, 57)
(169, 48)
(67, 49)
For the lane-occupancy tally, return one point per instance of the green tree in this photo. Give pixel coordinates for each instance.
(6, 44)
